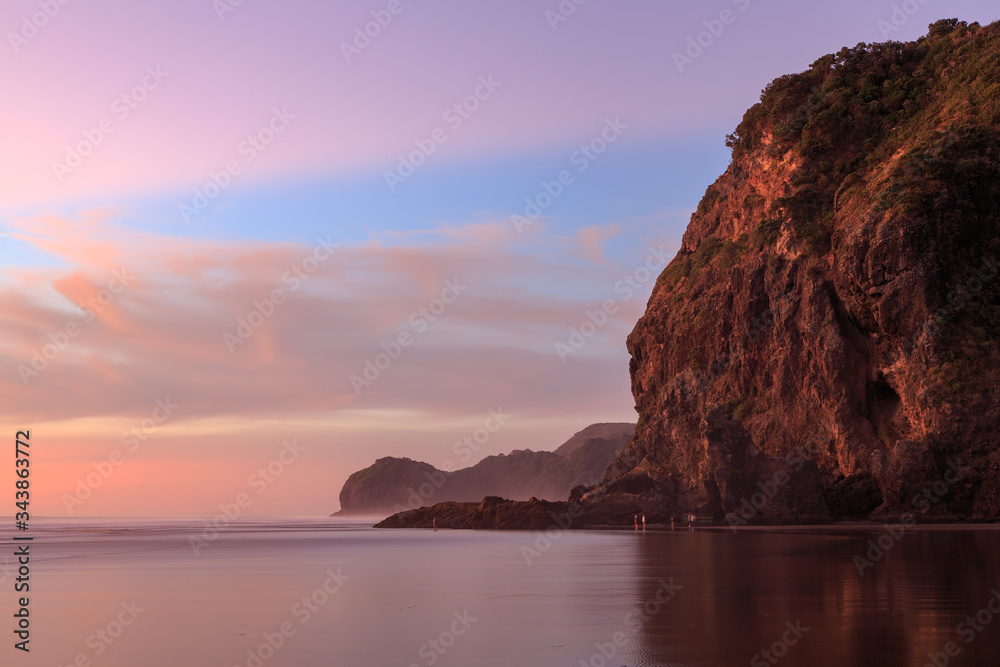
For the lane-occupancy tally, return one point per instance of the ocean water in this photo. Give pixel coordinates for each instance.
(325, 592)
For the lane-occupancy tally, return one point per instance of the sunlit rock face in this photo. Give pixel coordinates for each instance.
(834, 311)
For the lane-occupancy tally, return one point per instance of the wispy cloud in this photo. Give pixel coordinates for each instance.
(166, 329)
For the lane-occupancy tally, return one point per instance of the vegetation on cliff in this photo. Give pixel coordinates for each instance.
(826, 343)
(938, 97)
(837, 290)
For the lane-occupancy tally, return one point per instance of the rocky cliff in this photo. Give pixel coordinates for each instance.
(825, 343)
(394, 484)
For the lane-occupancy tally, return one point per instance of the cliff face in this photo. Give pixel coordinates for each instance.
(834, 311)
(396, 484)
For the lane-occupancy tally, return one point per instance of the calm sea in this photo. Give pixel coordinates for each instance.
(309, 593)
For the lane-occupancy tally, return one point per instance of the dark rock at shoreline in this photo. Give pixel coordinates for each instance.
(492, 513)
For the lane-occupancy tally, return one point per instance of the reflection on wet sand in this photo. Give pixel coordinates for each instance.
(801, 598)
(603, 599)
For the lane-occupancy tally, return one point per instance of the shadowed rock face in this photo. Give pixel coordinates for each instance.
(836, 299)
(394, 484)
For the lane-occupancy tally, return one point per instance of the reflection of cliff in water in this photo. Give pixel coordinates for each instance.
(739, 591)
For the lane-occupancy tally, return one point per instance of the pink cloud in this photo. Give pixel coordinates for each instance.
(591, 240)
(164, 332)
(162, 336)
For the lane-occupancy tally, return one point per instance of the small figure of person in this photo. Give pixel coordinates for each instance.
(435, 523)
(635, 519)
(690, 521)
(643, 522)
(671, 523)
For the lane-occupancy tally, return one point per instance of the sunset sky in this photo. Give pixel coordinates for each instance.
(172, 169)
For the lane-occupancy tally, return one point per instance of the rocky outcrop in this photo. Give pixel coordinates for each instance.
(826, 343)
(833, 315)
(492, 513)
(395, 484)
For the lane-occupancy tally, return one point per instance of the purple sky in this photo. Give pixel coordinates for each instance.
(170, 170)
